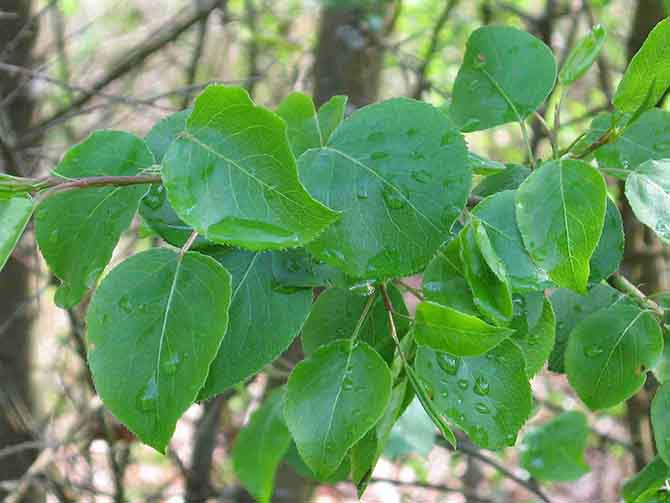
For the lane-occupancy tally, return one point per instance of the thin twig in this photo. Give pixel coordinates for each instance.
(623, 285)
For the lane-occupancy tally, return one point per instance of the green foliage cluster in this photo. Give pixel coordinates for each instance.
(260, 209)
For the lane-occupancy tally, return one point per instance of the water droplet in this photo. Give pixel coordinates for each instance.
(417, 155)
(362, 193)
(444, 393)
(376, 137)
(662, 146)
(463, 384)
(474, 85)
(537, 463)
(412, 131)
(125, 305)
(341, 332)
(147, 398)
(593, 351)
(155, 198)
(448, 363)
(378, 156)
(481, 386)
(421, 176)
(482, 408)
(54, 235)
(533, 340)
(394, 198)
(171, 364)
(510, 439)
(347, 383)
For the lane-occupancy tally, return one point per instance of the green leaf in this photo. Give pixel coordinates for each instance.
(333, 399)
(648, 192)
(608, 255)
(155, 209)
(647, 482)
(444, 280)
(570, 308)
(296, 268)
(330, 115)
(367, 451)
(336, 314)
(232, 177)
(535, 329)
(264, 320)
(413, 433)
(498, 216)
(398, 171)
(165, 131)
(660, 420)
(582, 55)
(510, 179)
(648, 75)
(506, 74)
(15, 213)
(77, 230)
(646, 139)
(445, 329)
(153, 331)
(260, 447)
(306, 128)
(488, 396)
(555, 450)
(610, 352)
(303, 129)
(569, 198)
(487, 278)
(294, 460)
(483, 166)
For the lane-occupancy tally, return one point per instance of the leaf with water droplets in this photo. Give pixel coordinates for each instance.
(260, 447)
(660, 420)
(648, 138)
(336, 313)
(610, 352)
(398, 171)
(155, 208)
(264, 319)
(647, 77)
(497, 214)
(570, 308)
(445, 329)
(154, 327)
(488, 396)
(15, 213)
(506, 74)
(569, 198)
(333, 399)
(643, 486)
(648, 192)
(232, 177)
(77, 230)
(555, 450)
(486, 274)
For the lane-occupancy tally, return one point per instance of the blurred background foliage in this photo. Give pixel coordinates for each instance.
(68, 67)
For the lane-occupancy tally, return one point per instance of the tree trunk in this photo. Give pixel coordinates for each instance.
(17, 34)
